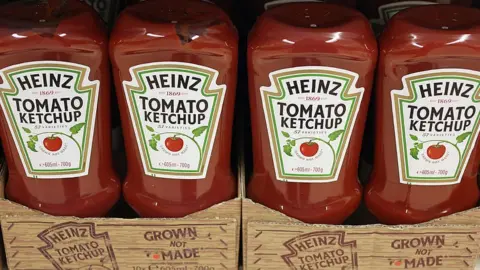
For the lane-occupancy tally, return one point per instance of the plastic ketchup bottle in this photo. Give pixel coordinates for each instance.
(311, 67)
(55, 99)
(427, 114)
(175, 67)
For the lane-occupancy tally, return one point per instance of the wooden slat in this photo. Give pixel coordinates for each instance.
(68, 243)
(275, 241)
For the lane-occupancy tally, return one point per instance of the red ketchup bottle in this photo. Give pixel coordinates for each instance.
(55, 98)
(427, 115)
(311, 67)
(175, 68)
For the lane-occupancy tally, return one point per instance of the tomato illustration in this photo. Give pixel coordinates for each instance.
(174, 144)
(436, 151)
(52, 143)
(398, 263)
(309, 149)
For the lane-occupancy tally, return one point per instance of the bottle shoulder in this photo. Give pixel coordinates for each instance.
(313, 27)
(183, 23)
(24, 24)
(433, 29)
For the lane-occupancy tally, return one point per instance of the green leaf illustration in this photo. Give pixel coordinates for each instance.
(292, 143)
(26, 130)
(414, 153)
(413, 137)
(157, 137)
(198, 131)
(463, 136)
(334, 135)
(31, 145)
(285, 134)
(153, 144)
(287, 149)
(150, 128)
(420, 146)
(76, 128)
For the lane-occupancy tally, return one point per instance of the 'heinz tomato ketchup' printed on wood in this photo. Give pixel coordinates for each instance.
(310, 75)
(427, 114)
(175, 67)
(55, 103)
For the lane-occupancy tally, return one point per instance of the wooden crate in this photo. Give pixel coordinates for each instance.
(272, 240)
(205, 240)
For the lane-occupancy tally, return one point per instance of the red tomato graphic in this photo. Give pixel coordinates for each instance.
(436, 151)
(398, 263)
(174, 144)
(52, 143)
(309, 149)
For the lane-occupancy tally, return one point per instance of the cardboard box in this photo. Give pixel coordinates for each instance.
(202, 241)
(272, 240)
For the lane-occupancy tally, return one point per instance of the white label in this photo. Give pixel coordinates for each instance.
(310, 113)
(50, 107)
(436, 125)
(275, 3)
(175, 108)
(387, 11)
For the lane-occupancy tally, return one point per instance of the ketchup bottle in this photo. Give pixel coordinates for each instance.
(175, 67)
(55, 99)
(428, 109)
(311, 67)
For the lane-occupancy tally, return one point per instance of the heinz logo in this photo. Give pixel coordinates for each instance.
(321, 250)
(74, 245)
